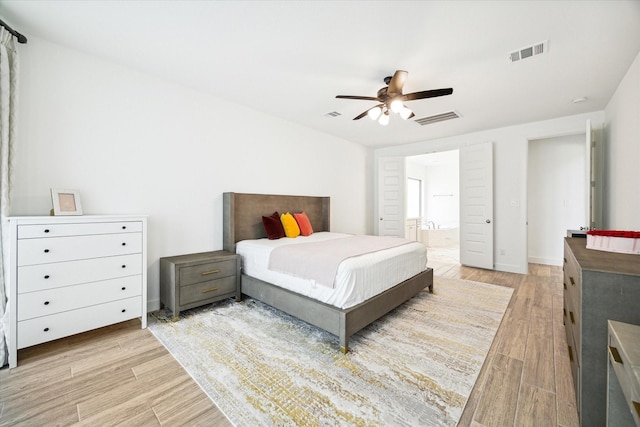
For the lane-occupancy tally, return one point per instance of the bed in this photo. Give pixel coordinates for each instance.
(242, 221)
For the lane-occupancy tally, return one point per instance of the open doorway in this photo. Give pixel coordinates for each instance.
(436, 205)
(555, 195)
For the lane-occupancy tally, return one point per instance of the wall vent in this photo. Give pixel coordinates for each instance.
(529, 51)
(437, 118)
(333, 114)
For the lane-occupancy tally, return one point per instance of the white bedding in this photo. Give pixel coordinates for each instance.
(358, 278)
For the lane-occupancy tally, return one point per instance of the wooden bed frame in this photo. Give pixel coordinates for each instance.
(243, 220)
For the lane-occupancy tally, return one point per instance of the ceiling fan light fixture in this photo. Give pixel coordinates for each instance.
(374, 113)
(405, 113)
(391, 98)
(396, 106)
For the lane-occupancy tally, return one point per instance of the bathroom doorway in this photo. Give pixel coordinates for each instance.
(439, 203)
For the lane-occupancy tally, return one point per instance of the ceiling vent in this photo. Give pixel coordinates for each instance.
(333, 114)
(437, 118)
(529, 51)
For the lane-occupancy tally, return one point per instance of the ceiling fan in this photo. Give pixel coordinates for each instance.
(392, 99)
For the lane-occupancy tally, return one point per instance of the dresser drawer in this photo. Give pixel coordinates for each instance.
(206, 290)
(573, 361)
(63, 230)
(572, 278)
(57, 249)
(47, 328)
(48, 276)
(573, 323)
(51, 301)
(207, 271)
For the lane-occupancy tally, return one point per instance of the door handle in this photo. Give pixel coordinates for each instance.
(488, 221)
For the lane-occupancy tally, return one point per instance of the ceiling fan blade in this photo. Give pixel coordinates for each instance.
(397, 83)
(364, 98)
(426, 94)
(359, 116)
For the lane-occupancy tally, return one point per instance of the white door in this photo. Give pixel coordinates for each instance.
(476, 206)
(391, 178)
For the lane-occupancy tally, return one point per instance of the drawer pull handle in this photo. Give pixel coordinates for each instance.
(570, 353)
(124, 266)
(46, 303)
(565, 260)
(124, 309)
(46, 230)
(124, 227)
(209, 290)
(46, 251)
(564, 312)
(124, 244)
(124, 287)
(572, 281)
(204, 273)
(571, 316)
(614, 353)
(564, 284)
(46, 329)
(46, 276)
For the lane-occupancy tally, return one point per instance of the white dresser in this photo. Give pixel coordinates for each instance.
(72, 274)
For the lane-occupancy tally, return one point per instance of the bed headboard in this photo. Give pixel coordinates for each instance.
(242, 214)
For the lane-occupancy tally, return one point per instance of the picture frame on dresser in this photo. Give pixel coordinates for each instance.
(66, 202)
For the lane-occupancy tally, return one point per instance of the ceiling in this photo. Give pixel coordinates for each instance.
(291, 58)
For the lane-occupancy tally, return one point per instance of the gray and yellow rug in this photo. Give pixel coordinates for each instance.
(415, 366)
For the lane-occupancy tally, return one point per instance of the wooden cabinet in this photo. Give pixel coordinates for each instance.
(73, 274)
(598, 286)
(623, 375)
(188, 281)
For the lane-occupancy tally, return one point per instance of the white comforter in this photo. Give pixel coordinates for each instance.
(358, 278)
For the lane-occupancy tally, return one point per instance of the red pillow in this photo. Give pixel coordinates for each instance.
(273, 226)
(303, 222)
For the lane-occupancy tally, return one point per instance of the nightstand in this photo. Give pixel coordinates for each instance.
(623, 375)
(188, 281)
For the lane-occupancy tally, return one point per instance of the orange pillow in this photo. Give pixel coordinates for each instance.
(290, 225)
(303, 223)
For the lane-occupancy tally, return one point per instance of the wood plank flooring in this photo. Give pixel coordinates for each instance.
(122, 375)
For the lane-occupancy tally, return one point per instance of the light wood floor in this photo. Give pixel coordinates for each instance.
(122, 375)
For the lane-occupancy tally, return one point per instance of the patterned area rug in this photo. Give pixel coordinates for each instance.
(415, 366)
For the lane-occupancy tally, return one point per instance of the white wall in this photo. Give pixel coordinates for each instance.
(510, 176)
(621, 208)
(134, 143)
(556, 196)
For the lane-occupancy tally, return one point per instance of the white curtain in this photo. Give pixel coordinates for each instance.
(8, 89)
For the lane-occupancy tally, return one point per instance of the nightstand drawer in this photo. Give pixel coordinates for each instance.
(624, 360)
(205, 290)
(207, 271)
